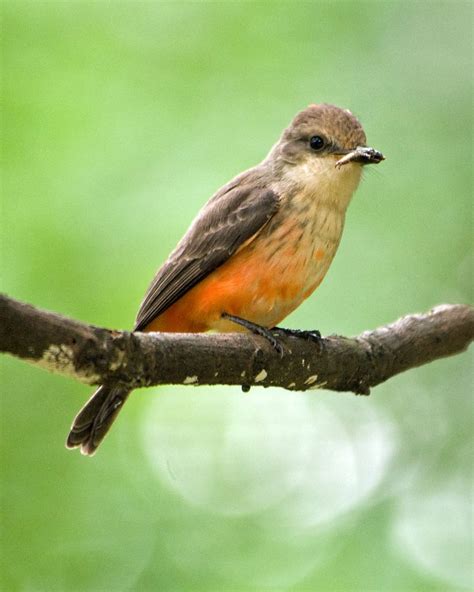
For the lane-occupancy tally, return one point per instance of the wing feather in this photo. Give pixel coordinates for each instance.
(230, 218)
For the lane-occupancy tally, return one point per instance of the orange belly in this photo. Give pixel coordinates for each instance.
(263, 283)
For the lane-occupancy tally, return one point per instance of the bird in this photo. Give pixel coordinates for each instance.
(256, 250)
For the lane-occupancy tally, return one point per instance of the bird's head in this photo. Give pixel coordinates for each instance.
(324, 144)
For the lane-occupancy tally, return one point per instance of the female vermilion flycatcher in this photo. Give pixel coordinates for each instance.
(257, 249)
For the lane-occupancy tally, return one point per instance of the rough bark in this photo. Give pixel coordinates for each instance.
(94, 355)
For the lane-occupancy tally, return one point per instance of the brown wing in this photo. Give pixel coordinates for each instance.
(232, 216)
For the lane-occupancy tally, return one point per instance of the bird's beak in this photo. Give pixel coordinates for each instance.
(362, 155)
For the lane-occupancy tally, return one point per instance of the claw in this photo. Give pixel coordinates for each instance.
(312, 335)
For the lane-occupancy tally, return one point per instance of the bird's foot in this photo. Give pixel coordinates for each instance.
(268, 334)
(313, 335)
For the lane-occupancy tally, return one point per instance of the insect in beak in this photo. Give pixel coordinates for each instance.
(362, 155)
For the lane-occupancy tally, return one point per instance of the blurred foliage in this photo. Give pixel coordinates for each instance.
(119, 120)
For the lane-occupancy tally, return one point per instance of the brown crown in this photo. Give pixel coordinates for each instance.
(336, 124)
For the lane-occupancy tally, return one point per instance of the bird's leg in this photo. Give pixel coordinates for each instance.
(312, 335)
(256, 330)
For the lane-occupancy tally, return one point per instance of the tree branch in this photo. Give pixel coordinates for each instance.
(95, 356)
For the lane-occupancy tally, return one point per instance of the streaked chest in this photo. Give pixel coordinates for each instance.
(299, 244)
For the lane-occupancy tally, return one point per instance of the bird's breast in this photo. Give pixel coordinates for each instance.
(268, 278)
(299, 246)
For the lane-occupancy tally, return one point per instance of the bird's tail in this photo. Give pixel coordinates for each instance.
(96, 417)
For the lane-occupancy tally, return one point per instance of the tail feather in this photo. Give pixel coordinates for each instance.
(96, 417)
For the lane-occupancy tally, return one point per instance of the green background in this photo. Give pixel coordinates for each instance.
(119, 121)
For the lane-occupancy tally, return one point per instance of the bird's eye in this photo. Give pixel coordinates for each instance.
(317, 143)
